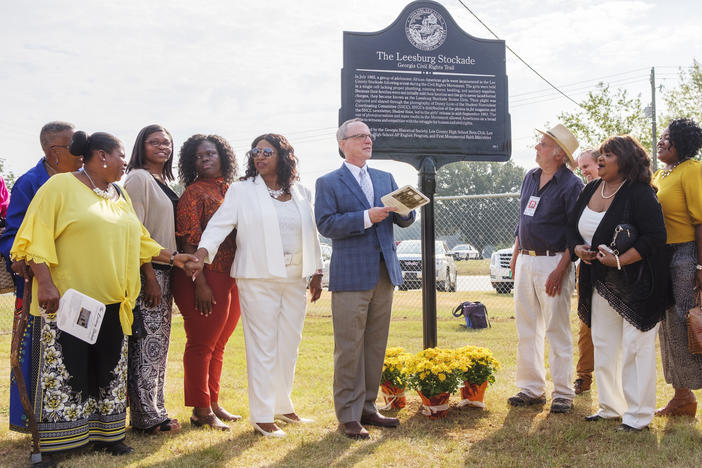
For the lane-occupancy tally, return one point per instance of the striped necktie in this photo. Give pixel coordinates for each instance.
(366, 186)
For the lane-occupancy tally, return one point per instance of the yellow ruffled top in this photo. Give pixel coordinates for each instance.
(93, 245)
(680, 195)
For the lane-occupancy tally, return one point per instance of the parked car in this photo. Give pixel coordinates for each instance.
(500, 274)
(464, 252)
(409, 252)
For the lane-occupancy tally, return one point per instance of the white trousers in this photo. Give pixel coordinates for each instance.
(539, 315)
(625, 366)
(273, 315)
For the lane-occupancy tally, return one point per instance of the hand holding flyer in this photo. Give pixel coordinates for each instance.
(405, 199)
(80, 315)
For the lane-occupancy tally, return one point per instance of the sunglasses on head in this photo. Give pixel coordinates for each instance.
(265, 152)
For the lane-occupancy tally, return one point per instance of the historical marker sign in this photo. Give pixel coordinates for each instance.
(427, 88)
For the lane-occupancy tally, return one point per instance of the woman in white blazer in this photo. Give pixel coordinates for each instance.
(277, 249)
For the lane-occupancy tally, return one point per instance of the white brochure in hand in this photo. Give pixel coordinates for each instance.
(405, 199)
(80, 315)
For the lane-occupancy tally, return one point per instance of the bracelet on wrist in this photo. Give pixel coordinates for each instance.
(173, 256)
(699, 267)
(619, 265)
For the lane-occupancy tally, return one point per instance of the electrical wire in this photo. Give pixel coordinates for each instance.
(520, 58)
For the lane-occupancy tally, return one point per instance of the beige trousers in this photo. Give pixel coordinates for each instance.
(361, 322)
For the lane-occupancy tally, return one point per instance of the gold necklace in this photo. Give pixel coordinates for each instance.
(602, 187)
(666, 172)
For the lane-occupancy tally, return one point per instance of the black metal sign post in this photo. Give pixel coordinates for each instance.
(427, 184)
(432, 94)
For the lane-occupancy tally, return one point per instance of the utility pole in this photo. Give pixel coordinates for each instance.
(654, 140)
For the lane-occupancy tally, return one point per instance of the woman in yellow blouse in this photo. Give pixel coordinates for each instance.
(680, 194)
(81, 232)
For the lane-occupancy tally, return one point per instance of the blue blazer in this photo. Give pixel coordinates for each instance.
(339, 206)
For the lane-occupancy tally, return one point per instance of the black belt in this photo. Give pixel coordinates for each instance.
(539, 253)
(160, 266)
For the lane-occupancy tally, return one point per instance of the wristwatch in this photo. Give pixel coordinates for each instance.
(699, 267)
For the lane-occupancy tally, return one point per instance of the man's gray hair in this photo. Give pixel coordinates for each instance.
(594, 154)
(52, 128)
(341, 132)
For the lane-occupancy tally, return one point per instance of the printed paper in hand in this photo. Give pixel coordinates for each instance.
(80, 315)
(405, 199)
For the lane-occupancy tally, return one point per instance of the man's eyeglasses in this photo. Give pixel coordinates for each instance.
(360, 137)
(265, 152)
(59, 146)
(159, 143)
(205, 154)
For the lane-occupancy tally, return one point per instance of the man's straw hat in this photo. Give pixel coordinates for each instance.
(563, 138)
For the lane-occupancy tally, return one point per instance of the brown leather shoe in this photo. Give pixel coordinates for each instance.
(581, 385)
(354, 430)
(678, 408)
(377, 419)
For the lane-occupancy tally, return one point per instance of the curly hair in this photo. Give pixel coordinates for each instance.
(686, 136)
(186, 158)
(287, 161)
(634, 162)
(139, 151)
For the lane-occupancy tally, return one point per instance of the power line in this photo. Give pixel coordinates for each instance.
(584, 81)
(520, 59)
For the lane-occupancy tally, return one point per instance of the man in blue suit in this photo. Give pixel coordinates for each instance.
(364, 271)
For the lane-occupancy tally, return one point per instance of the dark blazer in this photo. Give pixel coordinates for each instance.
(338, 207)
(639, 292)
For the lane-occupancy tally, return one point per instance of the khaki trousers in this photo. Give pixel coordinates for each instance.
(540, 316)
(586, 354)
(361, 323)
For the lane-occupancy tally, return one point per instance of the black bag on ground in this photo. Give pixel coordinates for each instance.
(475, 313)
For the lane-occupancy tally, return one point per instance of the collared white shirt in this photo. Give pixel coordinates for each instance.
(356, 172)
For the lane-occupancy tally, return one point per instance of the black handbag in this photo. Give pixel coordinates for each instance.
(624, 237)
(475, 313)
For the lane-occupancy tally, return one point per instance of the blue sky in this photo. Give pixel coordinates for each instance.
(240, 69)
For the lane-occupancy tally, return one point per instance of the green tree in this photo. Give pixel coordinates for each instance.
(8, 176)
(607, 112)
(685, 99)
(483, 222)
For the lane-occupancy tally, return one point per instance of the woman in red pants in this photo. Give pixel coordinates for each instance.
(210, 304)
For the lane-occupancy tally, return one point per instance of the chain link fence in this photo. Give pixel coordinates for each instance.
(475, 235)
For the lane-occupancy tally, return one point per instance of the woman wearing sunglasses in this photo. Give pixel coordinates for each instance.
(277, 249)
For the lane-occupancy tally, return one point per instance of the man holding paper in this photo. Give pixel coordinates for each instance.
(364, 271)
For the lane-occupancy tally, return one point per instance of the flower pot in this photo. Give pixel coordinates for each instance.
(435, 406)
(394, 397)
(473, 394)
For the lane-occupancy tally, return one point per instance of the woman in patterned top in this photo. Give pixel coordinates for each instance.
(621, 294)
(680, 192)
(210, 304)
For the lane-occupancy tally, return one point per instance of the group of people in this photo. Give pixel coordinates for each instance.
(227, 247)
(625, 297)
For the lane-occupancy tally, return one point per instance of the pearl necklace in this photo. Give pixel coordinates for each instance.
(666, 172)
(609, 196)
(275, 193)
(106, 194)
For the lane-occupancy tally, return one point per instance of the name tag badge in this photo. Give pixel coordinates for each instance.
(531, 206)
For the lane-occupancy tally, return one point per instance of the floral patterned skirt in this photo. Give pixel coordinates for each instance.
(81, 390)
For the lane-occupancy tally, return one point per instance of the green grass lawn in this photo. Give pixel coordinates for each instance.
(495, 437)
(473, 267)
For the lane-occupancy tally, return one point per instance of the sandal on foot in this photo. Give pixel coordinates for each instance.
(211, 421)
(225, 415)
